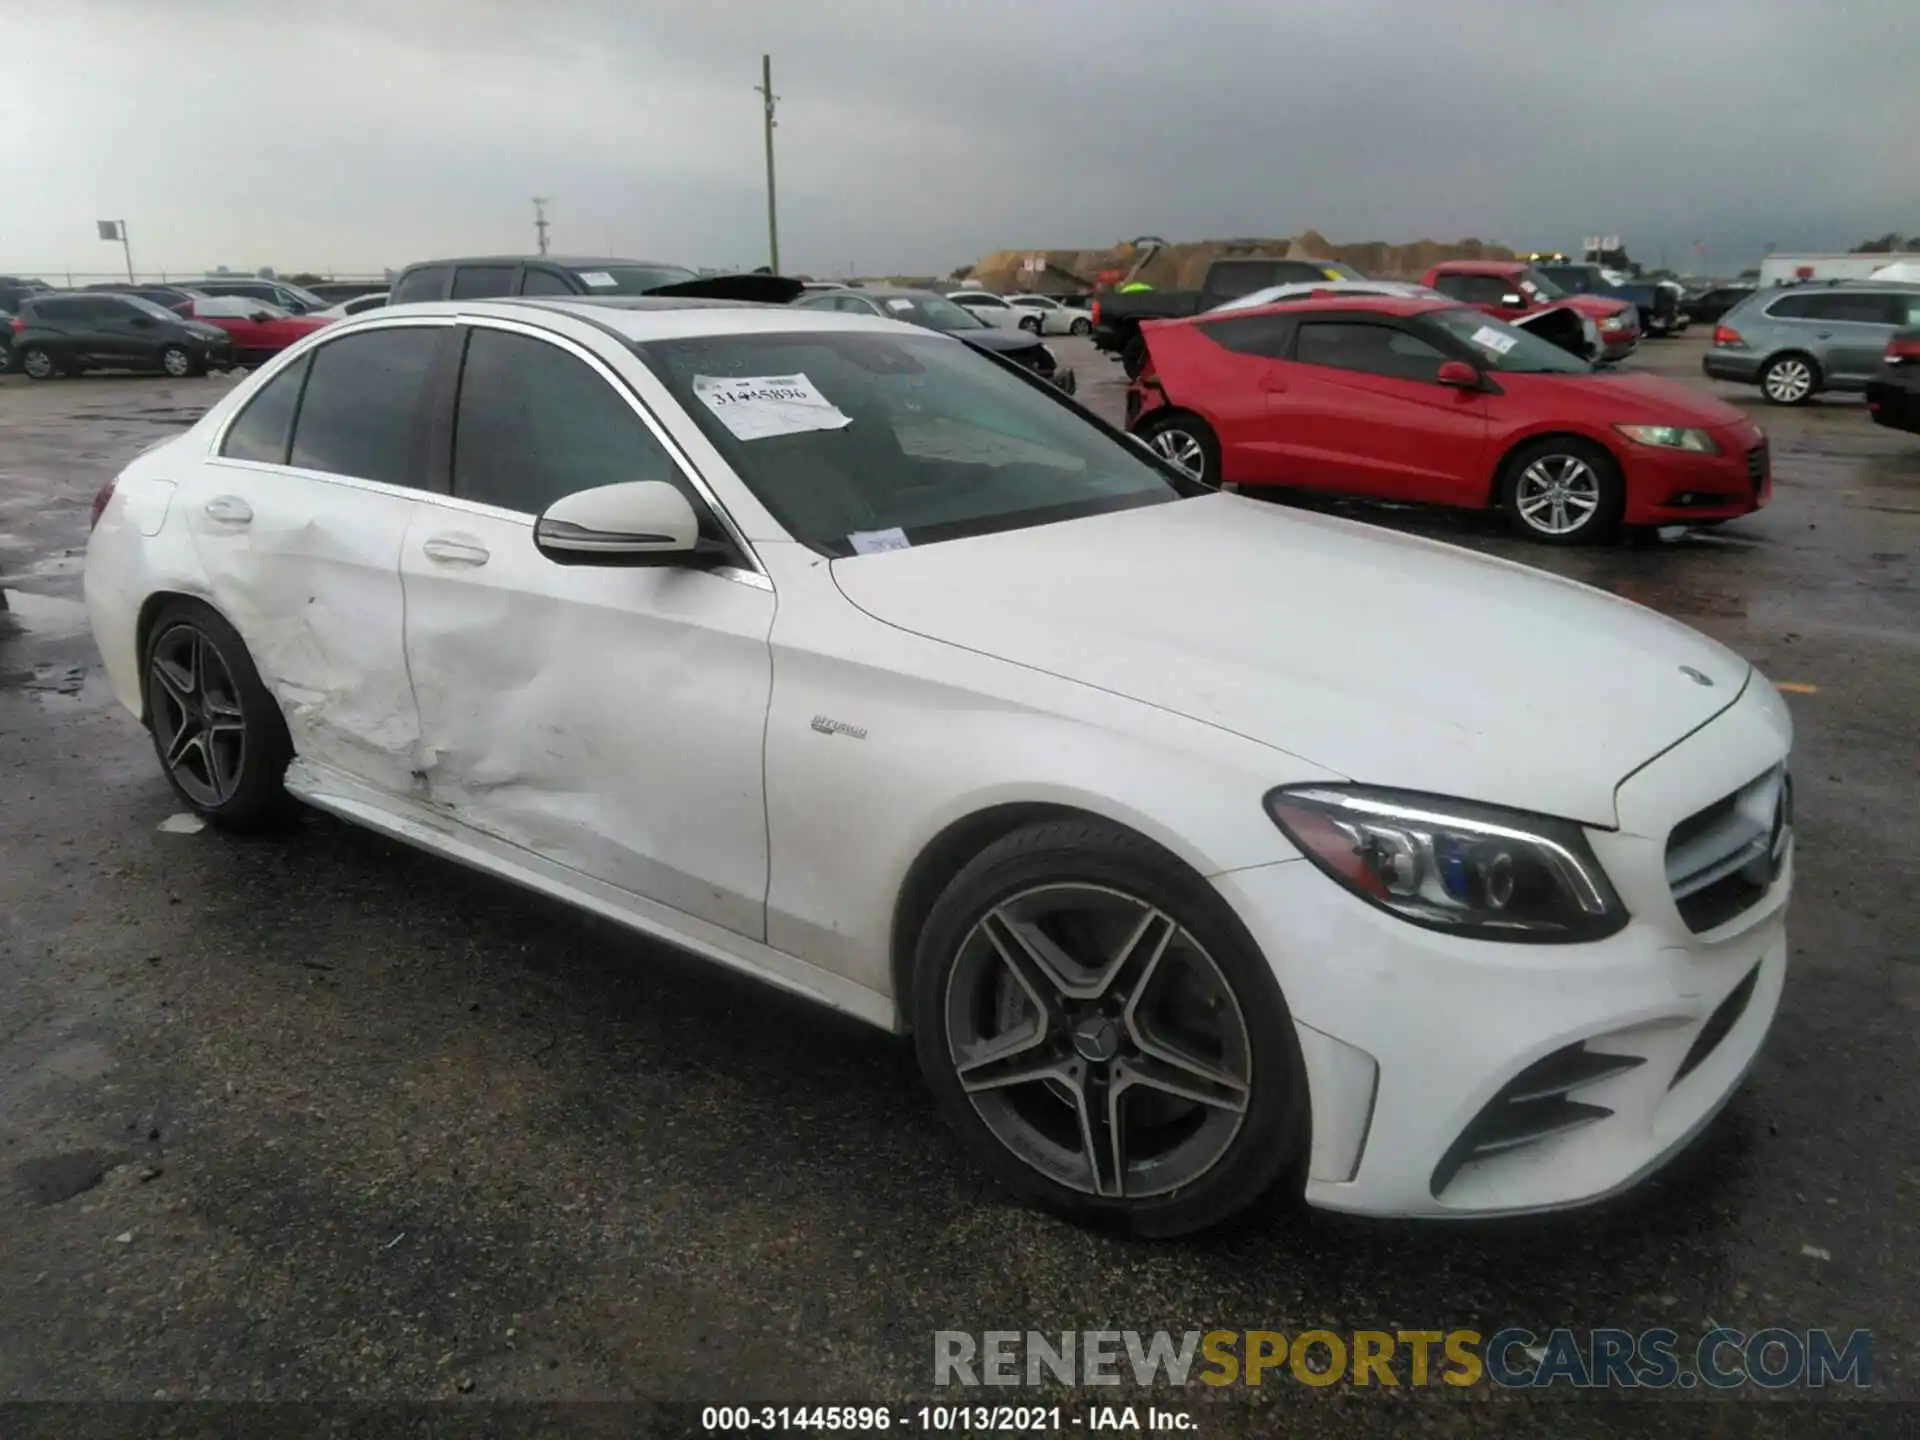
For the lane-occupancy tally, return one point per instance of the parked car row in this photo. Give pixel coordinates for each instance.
(1421, 398)
(1795, 342)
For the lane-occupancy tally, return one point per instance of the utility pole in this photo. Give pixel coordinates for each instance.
(765, 89)
(540, 221)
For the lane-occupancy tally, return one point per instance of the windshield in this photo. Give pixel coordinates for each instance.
(865, 442)
(1540, 287)
(632, 279)
(1507, 348)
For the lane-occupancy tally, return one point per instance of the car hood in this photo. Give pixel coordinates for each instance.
(1598, 306)
(1629, 398)
(1384, 658)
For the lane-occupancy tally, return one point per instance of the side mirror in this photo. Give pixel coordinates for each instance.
(1513, 300)
(1459, 374)
(643, 522)
(260, 317)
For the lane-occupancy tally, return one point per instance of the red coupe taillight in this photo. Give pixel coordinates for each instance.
(100, 504)
(1903, 349)
(17, 325)
(1726, 335)
(1094, 312)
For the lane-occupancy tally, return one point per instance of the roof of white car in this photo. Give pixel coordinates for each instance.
(641, 318)
(1299, 289)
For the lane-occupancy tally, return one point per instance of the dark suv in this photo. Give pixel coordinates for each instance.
(68, 333)
(493, 276)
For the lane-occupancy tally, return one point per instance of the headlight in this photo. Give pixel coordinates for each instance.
(1611, 322)
(1670, 437)
(1453, 865)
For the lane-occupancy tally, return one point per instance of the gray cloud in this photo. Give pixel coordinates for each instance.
(915, 135)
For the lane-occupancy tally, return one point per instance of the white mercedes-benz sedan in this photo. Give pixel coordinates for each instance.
(1210, 850)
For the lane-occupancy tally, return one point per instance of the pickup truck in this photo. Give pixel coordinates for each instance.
(1513, 289)
(1117, 315)
(1658, 304)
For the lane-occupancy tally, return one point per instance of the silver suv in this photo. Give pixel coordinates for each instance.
(1794, 341)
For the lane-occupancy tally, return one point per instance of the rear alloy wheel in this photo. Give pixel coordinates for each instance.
(1185, 442)
(219, 735)
(177, 362)
(1102, 1038)
(1082, 328)
(1790, 380)
(1030, 324)
(37, 364)
(1563, 492)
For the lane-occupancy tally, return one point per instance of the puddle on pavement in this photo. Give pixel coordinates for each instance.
(24, 613)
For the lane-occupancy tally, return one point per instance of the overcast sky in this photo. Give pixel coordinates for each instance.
(916, 134)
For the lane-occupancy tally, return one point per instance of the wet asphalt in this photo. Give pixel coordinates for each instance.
(312, 1116)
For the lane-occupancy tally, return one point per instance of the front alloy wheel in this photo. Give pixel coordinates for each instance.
(1558, 495)
(1181, 449)
(1098, 1041)
(1788, 381)
(176, 362)
(1103, 1034)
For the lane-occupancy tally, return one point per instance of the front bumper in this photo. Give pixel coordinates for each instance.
(1673, 487)
(1893, 405)
(1618, 345)
(1740, 366)
(1412, 1039)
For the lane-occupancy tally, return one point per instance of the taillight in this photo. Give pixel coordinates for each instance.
(1726, 335)
(18, 325)
(1903, 348)
(1093, 313)
(100, 504)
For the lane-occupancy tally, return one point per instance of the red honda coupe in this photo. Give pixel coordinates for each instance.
(260, 330)
(1427, 400)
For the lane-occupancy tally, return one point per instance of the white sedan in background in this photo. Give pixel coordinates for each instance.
(1302, 289)
(1047, 316)
(992, 310)
(842, 655)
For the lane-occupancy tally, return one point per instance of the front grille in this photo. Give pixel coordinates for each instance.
(1757, 466)
(1723, 859)
(1533, 1106)
(1725, 1016)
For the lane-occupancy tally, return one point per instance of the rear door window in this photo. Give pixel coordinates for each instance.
(263, 429)
(363, 413)
(482, 282)
(1796, 307)
(427, 283)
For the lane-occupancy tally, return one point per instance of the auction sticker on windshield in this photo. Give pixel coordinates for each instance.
(1488, 339)
(757, 407)
(597, 279)
(878, 542)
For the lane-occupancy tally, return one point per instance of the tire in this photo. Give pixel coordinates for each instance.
(1081, 328)
(221, 739)
(38, 363)
(1030, 324)
(1791, 379)
(1563, 491)
(177, 362)
(1237, 1128)
(6, 359)
(1182, 438)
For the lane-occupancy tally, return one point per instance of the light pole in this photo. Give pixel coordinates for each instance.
(117, 230)
(540, 221)
(765, 88)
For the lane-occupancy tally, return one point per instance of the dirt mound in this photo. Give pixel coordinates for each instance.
(1182, 266)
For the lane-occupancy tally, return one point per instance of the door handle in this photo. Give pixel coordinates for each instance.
(229, 510)
(448, 550)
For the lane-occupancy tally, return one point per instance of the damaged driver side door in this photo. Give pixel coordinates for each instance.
(608, 719)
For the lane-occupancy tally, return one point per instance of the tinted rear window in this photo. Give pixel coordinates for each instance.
(482, 282)
(361, 412)
(427, 283)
